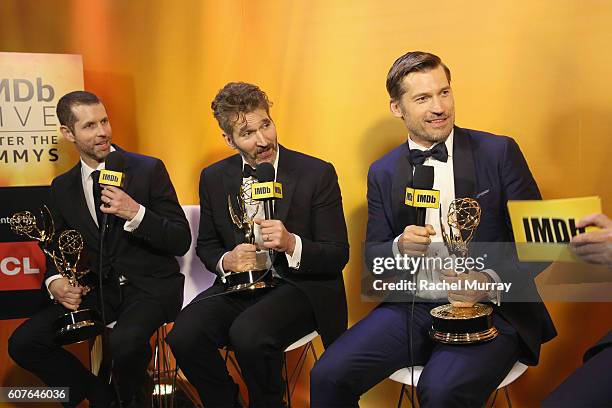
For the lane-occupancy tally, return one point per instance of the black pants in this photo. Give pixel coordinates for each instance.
(32, 347)
(257, 325)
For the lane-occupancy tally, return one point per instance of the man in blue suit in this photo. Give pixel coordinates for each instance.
(467, 163)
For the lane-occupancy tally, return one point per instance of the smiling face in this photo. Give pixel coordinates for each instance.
(254, 136)
(427, 106)
(92, 134)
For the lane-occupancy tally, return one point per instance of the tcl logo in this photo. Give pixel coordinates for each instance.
(22, 266)
(12, 266)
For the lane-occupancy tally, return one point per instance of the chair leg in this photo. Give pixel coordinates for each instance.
(314, 354)
(401, 396)
(165, 371)
(292, 379)
(493, 401)
(232, 360)
(156, 373)
(295, 374)
(164, 375)
(507, 397)
(174, 376)
(288, 391)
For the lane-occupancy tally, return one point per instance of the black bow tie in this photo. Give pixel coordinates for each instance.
(248, 171)
(438, 152)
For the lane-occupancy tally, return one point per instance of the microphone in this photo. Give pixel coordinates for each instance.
(265, 174)
(112, 175)
(266, 190)
(424, 197)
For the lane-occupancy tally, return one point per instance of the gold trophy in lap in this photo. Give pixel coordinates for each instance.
(462, 325)
(254, 278)
(74, 326)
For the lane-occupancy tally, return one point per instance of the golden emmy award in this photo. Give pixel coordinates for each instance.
(253, 277)
(74, 326)
(462, 325)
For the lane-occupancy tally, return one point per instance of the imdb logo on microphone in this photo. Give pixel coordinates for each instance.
(266, 190)
(422, 198)
(111, 178)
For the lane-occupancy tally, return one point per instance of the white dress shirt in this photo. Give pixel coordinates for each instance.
(87, 182)
(258, 210)
(444, 182)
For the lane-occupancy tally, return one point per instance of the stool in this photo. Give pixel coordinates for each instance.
(295, 374)
(404, 376)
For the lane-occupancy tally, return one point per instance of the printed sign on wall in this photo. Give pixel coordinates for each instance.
(32, 151)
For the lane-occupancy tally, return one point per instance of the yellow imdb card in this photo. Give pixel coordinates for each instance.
(543, 229)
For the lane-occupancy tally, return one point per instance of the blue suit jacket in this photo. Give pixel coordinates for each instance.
(490, 169)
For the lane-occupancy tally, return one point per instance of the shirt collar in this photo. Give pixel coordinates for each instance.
(448, 142)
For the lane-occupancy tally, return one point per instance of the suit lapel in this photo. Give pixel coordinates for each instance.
(115, 224)
(463, 165)
(232, 179)
(402, 177)
(285, 176)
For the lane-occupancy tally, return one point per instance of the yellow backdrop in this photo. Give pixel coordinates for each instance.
(536, 70)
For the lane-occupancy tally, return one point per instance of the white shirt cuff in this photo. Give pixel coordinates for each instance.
(132, 224)
(294, 260)
(48, 282)
(222, 273)
(494, 295)
(395, 247)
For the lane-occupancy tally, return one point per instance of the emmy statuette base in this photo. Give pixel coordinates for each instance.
(238, 281)
(462, 325)
(75, 327)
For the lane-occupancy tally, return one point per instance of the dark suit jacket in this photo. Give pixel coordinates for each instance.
(481, 162)
(146, 256)
(311, 207)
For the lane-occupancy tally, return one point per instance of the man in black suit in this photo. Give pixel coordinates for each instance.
(143, 287)
(467, 163)
(308, 235)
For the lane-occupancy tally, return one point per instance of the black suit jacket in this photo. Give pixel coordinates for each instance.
(311, 207)
(492, 170)
(146, 256)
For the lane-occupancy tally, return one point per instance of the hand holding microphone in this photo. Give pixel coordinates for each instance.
(415, 239)
(118, 202)
(273, 232)
(115, 201)
(275, 236)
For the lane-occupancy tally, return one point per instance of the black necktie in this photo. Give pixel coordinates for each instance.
(438, 152)
(97, 195)
(248, 171)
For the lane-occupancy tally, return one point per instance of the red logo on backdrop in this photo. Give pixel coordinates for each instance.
(22, 266)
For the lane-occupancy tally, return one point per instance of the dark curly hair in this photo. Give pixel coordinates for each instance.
(234, 101)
